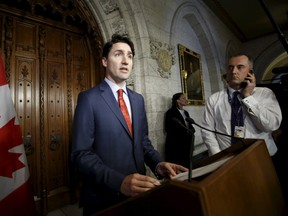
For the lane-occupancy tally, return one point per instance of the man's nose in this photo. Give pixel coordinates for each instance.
(124, 60)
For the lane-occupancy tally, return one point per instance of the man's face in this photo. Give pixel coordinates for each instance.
(119, 63)
(237, 70)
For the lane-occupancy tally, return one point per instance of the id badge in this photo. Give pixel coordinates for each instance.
(239, 131)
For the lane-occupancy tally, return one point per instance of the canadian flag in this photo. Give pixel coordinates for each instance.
(16, 197)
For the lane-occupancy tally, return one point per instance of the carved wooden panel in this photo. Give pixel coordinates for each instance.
(79, 73)
(25, 89)
(48, 61)
(23, 83)
(25, 38)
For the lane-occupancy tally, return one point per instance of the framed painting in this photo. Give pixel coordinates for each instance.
(191, 75)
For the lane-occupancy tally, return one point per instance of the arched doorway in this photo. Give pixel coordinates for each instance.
(52, 51)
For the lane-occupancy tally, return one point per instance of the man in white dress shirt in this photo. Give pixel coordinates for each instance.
(261, 111)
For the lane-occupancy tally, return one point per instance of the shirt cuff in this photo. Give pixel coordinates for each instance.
(249, 101)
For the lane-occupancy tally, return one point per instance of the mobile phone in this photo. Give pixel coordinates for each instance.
(244, 84)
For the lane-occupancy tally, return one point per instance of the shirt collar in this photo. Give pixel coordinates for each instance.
(231, 91)
(115, 87)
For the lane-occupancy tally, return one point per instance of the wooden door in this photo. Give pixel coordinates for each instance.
(47, 64)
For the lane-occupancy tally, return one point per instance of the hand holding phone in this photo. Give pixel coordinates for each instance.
(248, 85)
(243, 84)
(248, 78)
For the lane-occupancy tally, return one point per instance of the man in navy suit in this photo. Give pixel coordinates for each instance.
(111, 160)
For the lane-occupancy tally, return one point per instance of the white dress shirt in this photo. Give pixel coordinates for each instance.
(262, 115)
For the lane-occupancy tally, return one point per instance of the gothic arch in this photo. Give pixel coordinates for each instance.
(272, 56)
(191, 13)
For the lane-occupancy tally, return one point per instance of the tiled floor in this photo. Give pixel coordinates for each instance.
(68, 210)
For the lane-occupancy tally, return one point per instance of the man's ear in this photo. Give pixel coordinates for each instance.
(104, 62)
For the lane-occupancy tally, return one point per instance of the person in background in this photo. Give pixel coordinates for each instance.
(178, 139)
(110, 149)
(261, 113)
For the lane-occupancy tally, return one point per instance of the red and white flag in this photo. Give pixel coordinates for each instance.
(16, 197)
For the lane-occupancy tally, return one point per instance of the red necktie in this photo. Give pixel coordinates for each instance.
(124, 109)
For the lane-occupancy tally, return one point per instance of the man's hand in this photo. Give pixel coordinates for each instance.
(251, 83)
(169, 170)
(136, 183)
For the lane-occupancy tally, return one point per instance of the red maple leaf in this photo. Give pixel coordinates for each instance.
(10, 136)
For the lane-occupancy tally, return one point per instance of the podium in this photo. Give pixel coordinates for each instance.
(246, 185)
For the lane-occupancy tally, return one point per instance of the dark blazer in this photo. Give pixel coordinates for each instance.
(178, 140)
(103, 150)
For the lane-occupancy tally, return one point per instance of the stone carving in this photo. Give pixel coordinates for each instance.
(130, 82)
(108, 6)
(118, 26)
(164, 54)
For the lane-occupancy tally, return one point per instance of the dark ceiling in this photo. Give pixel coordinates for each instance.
(248, 19)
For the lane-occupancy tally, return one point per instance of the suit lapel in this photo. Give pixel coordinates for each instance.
(109, 98)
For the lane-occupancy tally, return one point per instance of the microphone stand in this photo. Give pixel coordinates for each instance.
(191, 158)
(191, 132)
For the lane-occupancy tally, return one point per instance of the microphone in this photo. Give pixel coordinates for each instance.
(191, 132)
(191, 121)
(234, 148)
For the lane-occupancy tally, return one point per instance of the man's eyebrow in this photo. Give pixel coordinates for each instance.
(122, 51)
(230, 65)
(118, 50)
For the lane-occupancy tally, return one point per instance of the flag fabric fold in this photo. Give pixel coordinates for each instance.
(16, 196)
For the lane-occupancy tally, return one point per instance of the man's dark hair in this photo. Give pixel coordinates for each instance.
(116, 38)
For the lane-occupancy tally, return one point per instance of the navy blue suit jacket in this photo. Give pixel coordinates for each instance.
(103, 150)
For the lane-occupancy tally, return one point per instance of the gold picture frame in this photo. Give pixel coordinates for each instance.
(191, 76)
